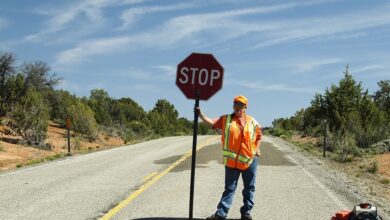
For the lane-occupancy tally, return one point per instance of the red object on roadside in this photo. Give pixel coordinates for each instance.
(342, 215)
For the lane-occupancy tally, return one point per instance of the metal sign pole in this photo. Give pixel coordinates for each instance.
(194, 155)
(68, 128)
(325, 137)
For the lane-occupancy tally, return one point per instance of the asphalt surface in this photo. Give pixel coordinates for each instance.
(87, 186)
(289, 185)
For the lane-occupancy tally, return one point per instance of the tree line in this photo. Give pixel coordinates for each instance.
(356, 120)
(28, 100)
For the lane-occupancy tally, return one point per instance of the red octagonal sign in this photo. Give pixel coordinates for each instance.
(199, 73)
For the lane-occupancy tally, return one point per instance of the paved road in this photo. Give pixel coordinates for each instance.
(289, 187)
(85, 187)
(151, 185)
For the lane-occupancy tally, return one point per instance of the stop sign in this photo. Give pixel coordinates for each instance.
(199, 72)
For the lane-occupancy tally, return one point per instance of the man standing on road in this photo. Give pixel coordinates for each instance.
(241, 138)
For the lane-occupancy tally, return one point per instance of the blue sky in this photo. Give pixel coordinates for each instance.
(277, 53)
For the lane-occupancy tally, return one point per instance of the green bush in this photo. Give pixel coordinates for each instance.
(381, 147)
(345, 146)
(138, 128)
(30, 118)
(83, 121)
(127, 135)
(279, 132)
(77, 143)
(385, 181)
(373, 167)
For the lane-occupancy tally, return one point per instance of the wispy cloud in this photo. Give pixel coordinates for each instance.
(331, 27)
(168, 71)
(368, 68)
(183, 27)
(80, 88)
(139, 87)
(140, 75)
(87, 15)
(70, 86)
(311, 65)
(92, 47)
(131, 15)
(59, 19)
(261, 86)
(214, 28)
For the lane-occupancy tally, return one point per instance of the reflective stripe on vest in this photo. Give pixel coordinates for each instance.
(231, 155)
(227, 154)
(227, 134)
(252, 130)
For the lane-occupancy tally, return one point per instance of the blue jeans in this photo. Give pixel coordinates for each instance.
(231, 178)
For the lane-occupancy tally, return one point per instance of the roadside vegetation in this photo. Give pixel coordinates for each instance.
(357, 125)
(29, 101)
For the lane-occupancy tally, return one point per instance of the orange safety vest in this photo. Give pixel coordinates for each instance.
(239, 147)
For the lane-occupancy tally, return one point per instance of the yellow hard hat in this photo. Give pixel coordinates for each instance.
(241, 99)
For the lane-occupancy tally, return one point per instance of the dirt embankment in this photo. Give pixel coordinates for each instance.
(13, 154)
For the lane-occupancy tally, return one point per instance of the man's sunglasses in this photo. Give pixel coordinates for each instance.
(239, 104)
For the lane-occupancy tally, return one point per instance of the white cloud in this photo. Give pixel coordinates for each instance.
(145, 87)
(70, 86)
(307, 66)
(131, 15)
(213, 28)
(332, 27)
(86, 15)
(261, 86)
(140, 75)
(80, 88)
(168, 71)
(183, 27)
(368, 68)
(93, 47)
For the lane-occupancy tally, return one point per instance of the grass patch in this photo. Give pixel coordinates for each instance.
(19, 165)
(36, 161)
(55, 157)
(48, 158)
(385, 181)
(1, 148)
(373, 167)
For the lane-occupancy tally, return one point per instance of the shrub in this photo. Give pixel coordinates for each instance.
(381, 147)
(30, 118)
(373, 167)
(83, 121)
(77, 143)
(385, 181)
(344, 145)
(279, 132)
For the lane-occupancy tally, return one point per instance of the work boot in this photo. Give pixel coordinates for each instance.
(216, 217)
(247, 216)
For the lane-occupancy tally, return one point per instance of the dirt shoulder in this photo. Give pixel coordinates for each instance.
(14, 155)
(372, 185)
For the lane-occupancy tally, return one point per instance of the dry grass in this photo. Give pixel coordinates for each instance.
(14, 155)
